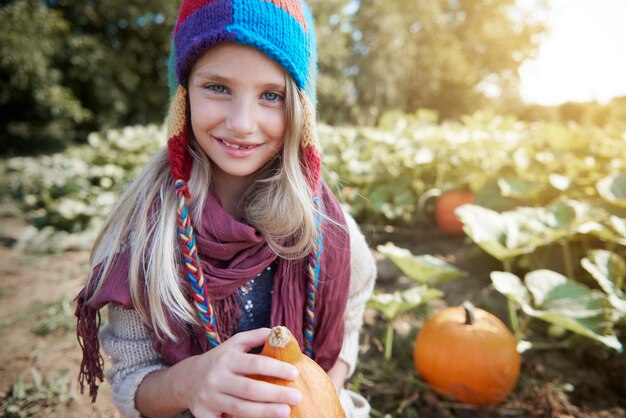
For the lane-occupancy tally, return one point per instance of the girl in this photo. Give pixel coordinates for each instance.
(228, 231)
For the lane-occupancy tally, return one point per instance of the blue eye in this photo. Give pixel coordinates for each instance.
(271, 96)
(216, 88)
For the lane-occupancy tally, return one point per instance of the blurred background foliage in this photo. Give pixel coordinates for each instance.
(69, 68)
(73, 67)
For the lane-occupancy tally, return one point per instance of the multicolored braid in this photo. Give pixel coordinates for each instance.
(194, 269)
(284, 31)
(311, 289)
(180, 167)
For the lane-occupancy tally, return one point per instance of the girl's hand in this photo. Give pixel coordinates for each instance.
(215, 382)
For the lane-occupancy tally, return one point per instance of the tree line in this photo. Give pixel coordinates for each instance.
(71, 67)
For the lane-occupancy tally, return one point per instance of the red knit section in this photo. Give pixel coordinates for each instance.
(187, 8)
(312, 164)
(179, 157)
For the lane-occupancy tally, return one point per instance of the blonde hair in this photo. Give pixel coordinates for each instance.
(278, 203)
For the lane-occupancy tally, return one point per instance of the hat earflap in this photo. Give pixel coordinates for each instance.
(309, 146)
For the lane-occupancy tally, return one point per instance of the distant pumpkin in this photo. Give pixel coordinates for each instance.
(468, 354)
(445, 205)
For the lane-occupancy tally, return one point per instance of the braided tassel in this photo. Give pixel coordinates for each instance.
(192, 264)
(312, 282)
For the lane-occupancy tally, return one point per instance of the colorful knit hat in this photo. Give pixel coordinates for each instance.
(284, 31)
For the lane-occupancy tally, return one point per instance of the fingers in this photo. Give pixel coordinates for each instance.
(242, 408)
(251, 364)
(222, 375)
(247, 340)
(260, 391)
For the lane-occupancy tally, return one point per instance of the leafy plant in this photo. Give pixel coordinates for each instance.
(524, 230)
(54, 317)
(423, 269)
(48, 318)
(33, 398)
(553, 298)
(73, 192)
(609, 270)
(426, 271)
(613, 189)
(390, 305)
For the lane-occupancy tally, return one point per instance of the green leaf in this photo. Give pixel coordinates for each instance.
(609, 270)
(560, 182)
(612, 231)
(619, 226)
(519, 188)
(510, 285)
(424, 269)
(561, 215)
(503, 235)
(560, 301)
(393, 304)
(555, 292)
(613, 189)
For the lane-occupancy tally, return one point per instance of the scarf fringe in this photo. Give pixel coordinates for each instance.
(228, 312)
(92, 364)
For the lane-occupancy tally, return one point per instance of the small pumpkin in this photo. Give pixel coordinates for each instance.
(468, 354)
(445, 205)
(319, 396)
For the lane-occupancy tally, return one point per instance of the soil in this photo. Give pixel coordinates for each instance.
(589, 381)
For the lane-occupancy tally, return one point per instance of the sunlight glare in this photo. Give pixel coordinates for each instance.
(582, 58)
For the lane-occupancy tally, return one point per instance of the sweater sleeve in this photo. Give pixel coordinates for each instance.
(363, 276)
(126, 341)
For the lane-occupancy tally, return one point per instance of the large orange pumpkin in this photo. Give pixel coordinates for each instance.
(468, 354)
(445, 205)
(319, 396)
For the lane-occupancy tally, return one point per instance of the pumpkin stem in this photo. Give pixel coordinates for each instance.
(469, 313)
(279, 337)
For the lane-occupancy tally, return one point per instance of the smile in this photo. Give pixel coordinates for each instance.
(235, 146)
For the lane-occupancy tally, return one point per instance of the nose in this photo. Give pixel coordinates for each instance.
(242, 118)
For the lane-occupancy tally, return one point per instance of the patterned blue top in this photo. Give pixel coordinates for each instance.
(256, 307)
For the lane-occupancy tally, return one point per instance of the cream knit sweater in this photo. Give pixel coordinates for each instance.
(126, 340)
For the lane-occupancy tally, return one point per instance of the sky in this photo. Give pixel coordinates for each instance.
(582, 58)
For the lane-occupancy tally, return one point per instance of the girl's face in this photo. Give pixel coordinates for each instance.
(237, 104)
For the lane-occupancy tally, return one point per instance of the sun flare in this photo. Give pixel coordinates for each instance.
(582, 58)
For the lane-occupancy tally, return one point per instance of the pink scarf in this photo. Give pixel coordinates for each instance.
(231, 254)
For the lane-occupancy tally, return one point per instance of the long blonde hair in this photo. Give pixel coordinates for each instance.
(278, 203)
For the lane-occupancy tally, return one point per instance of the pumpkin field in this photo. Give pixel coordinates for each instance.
(525, 221)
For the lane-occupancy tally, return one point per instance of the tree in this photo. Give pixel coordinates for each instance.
(35, 106)
(438, 53)
(70, 67)
(335, 88)
(118, 57)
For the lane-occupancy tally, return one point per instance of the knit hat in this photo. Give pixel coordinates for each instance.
(284, 31)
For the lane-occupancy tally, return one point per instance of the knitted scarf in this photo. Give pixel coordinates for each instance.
(232, 252)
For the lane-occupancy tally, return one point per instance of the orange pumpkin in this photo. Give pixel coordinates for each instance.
(468, 354)
(445, 218)
(319, 396)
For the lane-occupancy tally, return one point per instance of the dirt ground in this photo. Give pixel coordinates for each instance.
(28, 285)
(36, 291)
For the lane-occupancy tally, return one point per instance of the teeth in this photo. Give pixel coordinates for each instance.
(235, 146)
